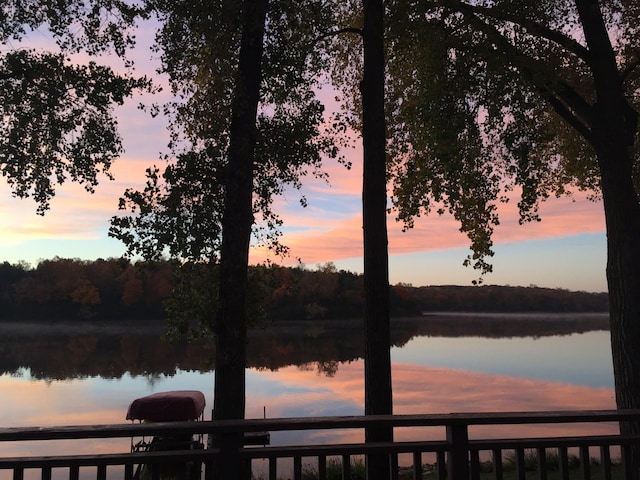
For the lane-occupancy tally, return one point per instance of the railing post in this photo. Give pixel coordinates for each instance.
(458, 454)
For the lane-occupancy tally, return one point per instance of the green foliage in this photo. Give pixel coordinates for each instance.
(58, 120)
(491, 100)
(179, 211)
(192, 302)
(96, 26)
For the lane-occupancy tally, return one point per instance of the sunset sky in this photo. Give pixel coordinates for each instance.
(567, 249)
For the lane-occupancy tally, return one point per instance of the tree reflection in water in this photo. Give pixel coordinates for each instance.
(78, 350)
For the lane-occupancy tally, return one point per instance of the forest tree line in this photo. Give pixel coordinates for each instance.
(118, 289)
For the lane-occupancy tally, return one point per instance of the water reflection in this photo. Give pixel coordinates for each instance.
(582, 358)
(64, 351)
(63, 378)
(293, 392)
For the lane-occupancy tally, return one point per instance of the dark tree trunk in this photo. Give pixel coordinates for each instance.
(231, 318)
(378, 390)
(623, 278)
(613, 133)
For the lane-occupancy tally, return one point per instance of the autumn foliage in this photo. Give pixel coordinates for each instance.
(118, 289)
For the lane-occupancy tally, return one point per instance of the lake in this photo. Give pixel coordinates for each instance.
(73, 374)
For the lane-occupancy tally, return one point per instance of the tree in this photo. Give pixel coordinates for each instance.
(237, 222)
(378, 389)
(538, 96)
(367, 110)
(245, 124)
(58, 120)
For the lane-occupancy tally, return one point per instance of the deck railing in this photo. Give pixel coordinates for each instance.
(456, 455)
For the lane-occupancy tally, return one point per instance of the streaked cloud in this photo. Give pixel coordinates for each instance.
(422, 390)
(320, 239)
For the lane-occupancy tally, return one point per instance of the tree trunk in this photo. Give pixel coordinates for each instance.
(622, 213)
(378, 390)
(237, 221)
(614, 127)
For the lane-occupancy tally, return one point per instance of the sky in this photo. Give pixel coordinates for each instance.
(567, 249)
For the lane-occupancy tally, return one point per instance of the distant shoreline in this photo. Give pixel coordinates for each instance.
(518, 315)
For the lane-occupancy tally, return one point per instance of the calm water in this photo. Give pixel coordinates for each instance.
(64, 379)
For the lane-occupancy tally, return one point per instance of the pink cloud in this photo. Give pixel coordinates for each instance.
(324, 239)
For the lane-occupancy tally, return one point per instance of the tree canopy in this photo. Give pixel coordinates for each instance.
(535, 98)
(57, 106)
(497, 104)
(179, 211)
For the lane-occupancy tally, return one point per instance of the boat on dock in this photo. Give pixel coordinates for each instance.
(171, 406)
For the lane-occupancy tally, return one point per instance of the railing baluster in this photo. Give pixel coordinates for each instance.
(346, 467)
(297, 467)
(497, 463)
(18, 473)
(605, 460)
(563, 456)
(46, 473)
(542, 463)
(520, 467)
(475, 465)
(273, 468)
(442, 465)
(394, 466)
(74, 472)
(585, 462)
(417, 466)
(322, 467)
(102, 472)
(128, 471)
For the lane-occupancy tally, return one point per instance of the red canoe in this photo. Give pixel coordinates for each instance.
(174, 406)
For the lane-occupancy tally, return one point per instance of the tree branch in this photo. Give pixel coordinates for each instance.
(535, 28)
(568, 115)
(629, 69)
(562, 96)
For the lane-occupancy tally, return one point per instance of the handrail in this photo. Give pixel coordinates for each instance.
(314, 423)
(462, 453)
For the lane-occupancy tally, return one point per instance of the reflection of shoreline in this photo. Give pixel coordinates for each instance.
(74, 350)
(522, 315)
(507, 325)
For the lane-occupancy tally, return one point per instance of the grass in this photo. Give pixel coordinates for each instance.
(334, 470)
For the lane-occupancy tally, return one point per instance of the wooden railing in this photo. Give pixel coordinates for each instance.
(455, 455)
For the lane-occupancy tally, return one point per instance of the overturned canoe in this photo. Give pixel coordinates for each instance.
(173, 406)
